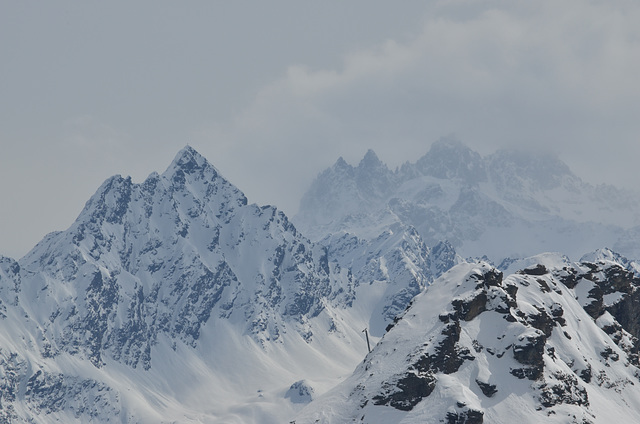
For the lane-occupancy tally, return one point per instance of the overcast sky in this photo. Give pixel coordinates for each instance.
(274, 92)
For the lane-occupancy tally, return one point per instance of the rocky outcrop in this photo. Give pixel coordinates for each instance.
(300, 392)
(610, 295)
(155, 267)
(475, 335)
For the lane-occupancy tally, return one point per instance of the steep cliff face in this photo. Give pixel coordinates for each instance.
(177, 300)
(388, 271)
(161, 258)
(9, 284)
(177, 266)
(166, 290)
(343, 194)
(549, 343)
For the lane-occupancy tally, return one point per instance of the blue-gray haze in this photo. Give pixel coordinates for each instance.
(273, 92)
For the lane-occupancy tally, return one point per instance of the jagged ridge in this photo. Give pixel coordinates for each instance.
(506, 205)
(182, 266)
(550, 343)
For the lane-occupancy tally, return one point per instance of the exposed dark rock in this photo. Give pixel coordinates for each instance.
(448, 357)
(511, 289)
(542, 321)
(618, 279)
(101, 298)
(586, 374)
(596, 307)
(47, 393)
(507, 301)
(407, 392)
(556, 310)
(529, 353)
(14, 370)
(493, 278)
(409, 389)
(468, 416)
(392, 324)
(610, 279)
(609, 354)
(627, 311)
(530, 373)
(569, 277)
(488, 389)
(544, 287)
(446, 318)
(469, 309)
(625, 341)
(534, 270)
(565, 389)
(614, 330)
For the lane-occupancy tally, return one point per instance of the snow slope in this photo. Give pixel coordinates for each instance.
(177, 300)
(554, 342)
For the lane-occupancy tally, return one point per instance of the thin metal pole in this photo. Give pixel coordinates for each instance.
(366, 333)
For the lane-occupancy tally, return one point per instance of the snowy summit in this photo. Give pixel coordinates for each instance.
(177, 300)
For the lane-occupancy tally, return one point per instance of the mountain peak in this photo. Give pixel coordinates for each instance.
(370, 159)
(372, 167)
(341, 164)
(189, 160)
(449, 158)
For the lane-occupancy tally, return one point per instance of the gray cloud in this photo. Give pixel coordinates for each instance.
(273, 94)
(554, 77)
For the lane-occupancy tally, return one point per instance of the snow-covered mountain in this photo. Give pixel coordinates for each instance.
(389, 270)
(177, 300)
(506, 205)
(553, 342)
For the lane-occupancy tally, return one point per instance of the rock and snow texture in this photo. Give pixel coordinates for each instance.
(170, 299)
(388, 271)
(506, 205)
(554, 342)
(300, 392)
(176, 299)
(161, 257)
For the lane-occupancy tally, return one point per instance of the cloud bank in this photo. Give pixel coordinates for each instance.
(274, 94)
(560, 77)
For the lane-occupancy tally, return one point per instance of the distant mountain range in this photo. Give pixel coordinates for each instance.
(176, 300)
(504, 206)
